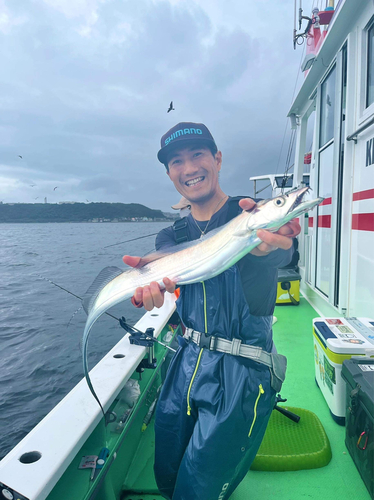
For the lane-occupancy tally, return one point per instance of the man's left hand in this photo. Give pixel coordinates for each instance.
(272, 241)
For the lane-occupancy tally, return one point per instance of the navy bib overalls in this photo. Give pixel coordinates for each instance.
(213, 408)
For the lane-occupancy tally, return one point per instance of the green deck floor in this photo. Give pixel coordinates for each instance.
(339, 480)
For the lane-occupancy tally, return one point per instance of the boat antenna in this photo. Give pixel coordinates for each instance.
(298, 38)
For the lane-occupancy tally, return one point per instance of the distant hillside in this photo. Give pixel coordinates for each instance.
(77, 212)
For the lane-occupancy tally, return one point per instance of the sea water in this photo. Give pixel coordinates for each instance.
(40, 353)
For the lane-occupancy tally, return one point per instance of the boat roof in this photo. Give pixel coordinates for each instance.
(271, 176)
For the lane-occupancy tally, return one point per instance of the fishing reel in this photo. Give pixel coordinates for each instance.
(145, 339)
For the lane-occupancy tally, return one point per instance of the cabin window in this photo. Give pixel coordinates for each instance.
(370, 70)
(327, 109)
(284, 181)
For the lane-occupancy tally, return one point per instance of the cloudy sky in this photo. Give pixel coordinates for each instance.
(85, 86)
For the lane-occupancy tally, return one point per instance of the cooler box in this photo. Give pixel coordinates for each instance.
(336, 340)
(288, 291)
(358, 374)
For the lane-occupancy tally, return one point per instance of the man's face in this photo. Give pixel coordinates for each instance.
(194, 172)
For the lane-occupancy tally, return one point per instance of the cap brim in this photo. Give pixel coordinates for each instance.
(164, 152)
(183, 203)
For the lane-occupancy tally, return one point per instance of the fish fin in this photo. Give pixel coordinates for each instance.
(103, 278)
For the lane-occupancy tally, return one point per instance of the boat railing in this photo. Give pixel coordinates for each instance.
(353, 137)
(37, 463)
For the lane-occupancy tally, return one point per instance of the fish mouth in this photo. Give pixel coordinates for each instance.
(299, 199)
(300, 206)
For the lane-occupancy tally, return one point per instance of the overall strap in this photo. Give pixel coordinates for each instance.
(180, 225)
(180, 230)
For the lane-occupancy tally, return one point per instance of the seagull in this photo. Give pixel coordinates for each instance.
(171, 107)
(36, 198)
(54, 189)
(19, 156)
(32, 185)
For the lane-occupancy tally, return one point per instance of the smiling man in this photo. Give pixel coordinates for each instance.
(214, 406)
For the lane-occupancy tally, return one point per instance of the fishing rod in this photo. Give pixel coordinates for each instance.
(134, 239)
(71, 293)
(121, 321)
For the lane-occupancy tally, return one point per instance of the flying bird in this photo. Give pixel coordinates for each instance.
(32, 185)
(36, 198)
(171, 107)
(19, 156)
(54, 189)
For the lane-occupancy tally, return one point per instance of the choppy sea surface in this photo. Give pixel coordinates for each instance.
(40, 354)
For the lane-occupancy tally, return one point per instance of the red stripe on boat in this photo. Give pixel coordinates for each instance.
(363, 222)
(326, 201)
(324, 221)
(363, 195)
(310, 222)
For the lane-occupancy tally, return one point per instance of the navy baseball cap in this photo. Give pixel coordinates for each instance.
(181, 136)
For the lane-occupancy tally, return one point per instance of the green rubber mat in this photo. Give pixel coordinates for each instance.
(288, 445)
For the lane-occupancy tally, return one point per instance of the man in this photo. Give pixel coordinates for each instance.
(214, 406)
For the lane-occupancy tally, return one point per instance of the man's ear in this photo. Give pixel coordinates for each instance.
(218, 157)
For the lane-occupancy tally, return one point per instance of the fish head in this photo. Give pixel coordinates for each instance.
(275, 212)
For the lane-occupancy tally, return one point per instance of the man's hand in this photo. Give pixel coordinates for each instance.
(271, 241)
(149, 296)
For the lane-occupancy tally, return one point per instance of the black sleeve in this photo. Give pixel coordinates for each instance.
(165, 238)
(276, 259)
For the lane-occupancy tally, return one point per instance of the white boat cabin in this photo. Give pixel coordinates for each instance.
(336, 104)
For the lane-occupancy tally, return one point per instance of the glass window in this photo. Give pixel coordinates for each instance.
(309, 142)
(285, 182)
(324, 211)
(306, 180)
(327, 108)
(370, 70)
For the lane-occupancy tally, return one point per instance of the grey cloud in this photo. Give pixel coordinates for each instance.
(88, 111)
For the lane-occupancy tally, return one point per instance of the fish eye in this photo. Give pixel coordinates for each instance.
(279, 202)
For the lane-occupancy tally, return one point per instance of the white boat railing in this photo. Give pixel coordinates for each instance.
(35, 465)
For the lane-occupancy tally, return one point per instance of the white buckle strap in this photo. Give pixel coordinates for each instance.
(234, 347)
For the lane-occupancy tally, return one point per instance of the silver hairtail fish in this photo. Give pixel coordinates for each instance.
(192, 262)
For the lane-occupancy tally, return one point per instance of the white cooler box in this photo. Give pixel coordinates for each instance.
(337, 339)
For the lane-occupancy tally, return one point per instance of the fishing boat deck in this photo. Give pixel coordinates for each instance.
(339, 479)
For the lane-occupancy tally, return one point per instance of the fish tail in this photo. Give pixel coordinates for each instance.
(85, 363)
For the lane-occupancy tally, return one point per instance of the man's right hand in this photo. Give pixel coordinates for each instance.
(149, 296)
